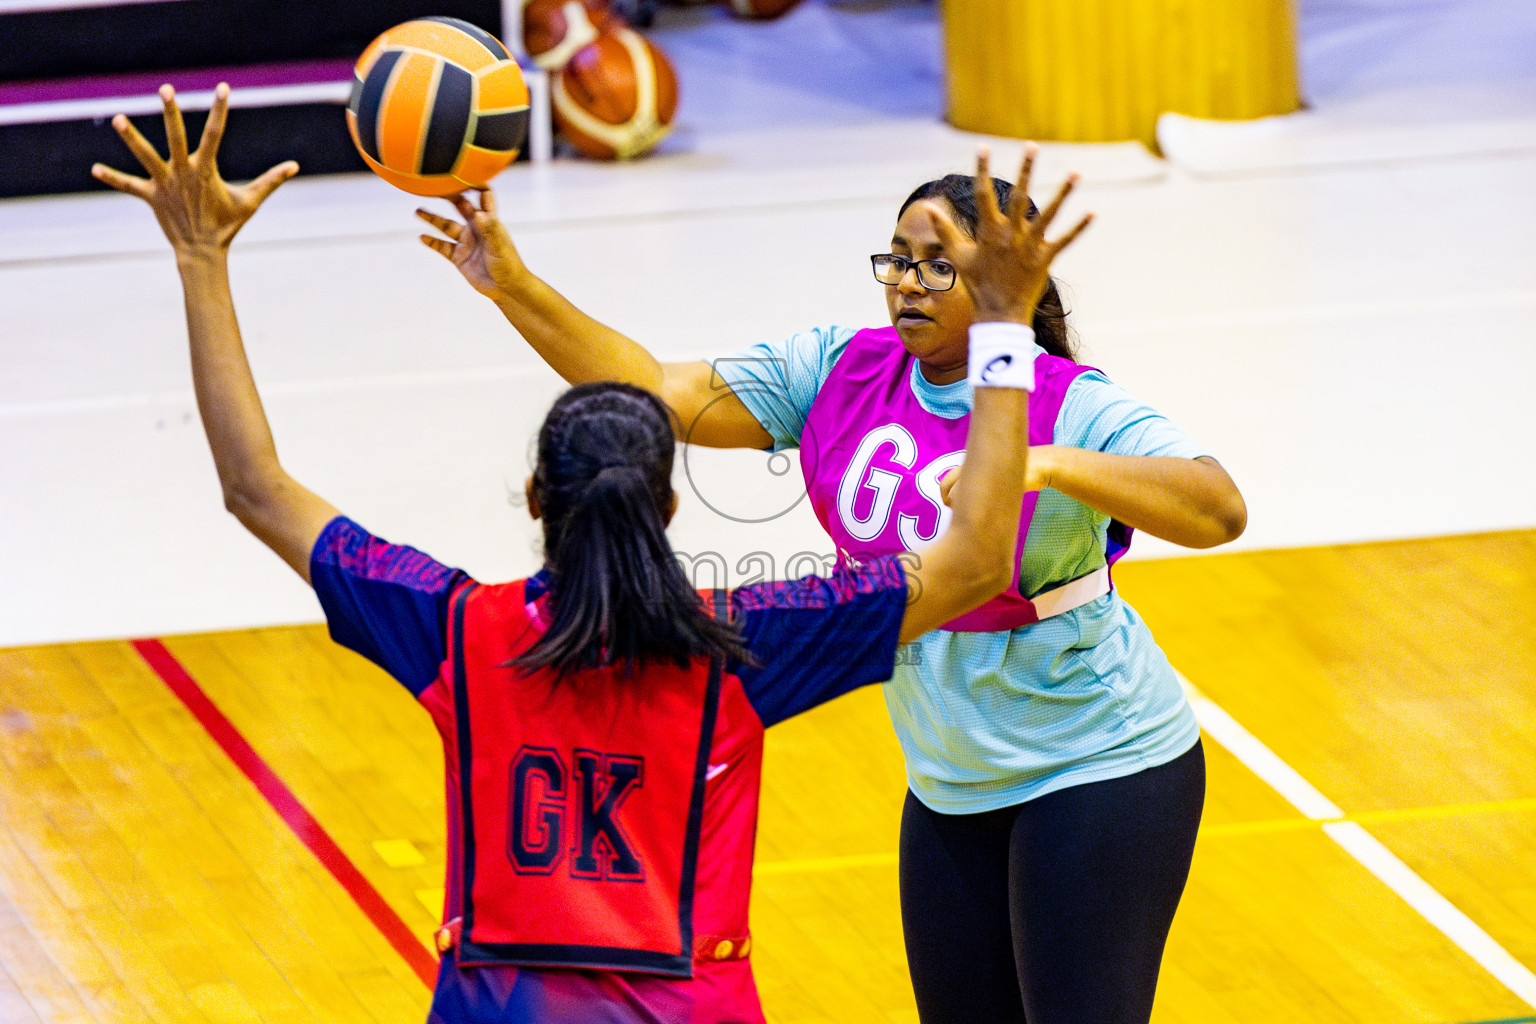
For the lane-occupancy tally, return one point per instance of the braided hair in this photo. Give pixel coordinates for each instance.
(617, 594)
(959, 191)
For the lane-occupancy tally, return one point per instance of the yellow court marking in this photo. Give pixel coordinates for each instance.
(433, 900)
(796, 867)
(1239, 828)
(398, 853)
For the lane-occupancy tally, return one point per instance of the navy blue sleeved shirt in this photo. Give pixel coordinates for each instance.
(811, 640)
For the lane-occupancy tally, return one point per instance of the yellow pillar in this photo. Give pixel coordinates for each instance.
(1103, 70)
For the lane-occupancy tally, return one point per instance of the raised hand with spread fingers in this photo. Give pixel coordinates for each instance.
(196, 208)
(1007, 265)
(201, 214)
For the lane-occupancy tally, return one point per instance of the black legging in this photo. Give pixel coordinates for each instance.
(1054, 911)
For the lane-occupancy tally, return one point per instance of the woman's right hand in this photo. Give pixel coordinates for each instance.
(480, 247)
(199, 213)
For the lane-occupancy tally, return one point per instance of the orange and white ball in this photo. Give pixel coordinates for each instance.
(616, 97)
(437, 106)
(553, 30)
(761, 9)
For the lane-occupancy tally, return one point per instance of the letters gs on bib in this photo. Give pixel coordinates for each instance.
(868, 491)
(555, 810)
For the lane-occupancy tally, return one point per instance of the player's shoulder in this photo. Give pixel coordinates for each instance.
(1091, 393)
(795, 361)
(1099, 414)
(827, 337)
(347, 548)
(1090, 380)
(814, 351)
(844, 585)
(821, 348)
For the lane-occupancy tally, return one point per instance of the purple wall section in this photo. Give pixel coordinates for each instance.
(130, 49)
(125, 38)
(143, 83)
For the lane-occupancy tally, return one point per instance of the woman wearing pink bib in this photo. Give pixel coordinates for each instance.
(1054, 766)
(602, 721)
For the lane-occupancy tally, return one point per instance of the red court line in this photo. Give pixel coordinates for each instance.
(287, 806)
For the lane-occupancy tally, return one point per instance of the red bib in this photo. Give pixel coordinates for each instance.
(581, 800)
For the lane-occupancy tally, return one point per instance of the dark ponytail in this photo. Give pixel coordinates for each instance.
(617, 593)
(959, 191)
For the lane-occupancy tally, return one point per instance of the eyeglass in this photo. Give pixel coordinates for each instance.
(934, 275)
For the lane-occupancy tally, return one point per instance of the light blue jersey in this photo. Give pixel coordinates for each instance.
(989, 720)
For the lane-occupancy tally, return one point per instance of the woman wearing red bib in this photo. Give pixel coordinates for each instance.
(1054, 765)
(602, 725)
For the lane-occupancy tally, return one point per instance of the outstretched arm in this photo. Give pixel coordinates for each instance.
(576, 346)
(1005, 268)
(1192, 502)
(200, 215)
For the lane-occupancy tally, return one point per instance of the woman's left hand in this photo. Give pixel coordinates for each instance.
(1192, 502)
(1006, 265)
(1037, 476)
(198, 211)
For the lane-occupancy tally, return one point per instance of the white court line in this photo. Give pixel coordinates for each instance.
(402, 379)
(1362, 846)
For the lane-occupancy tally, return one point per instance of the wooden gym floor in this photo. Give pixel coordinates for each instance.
(1385, 689)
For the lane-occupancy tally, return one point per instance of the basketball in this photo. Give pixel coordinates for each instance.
(617, 96)
(762, 9)
(553, 30)
(437, 106)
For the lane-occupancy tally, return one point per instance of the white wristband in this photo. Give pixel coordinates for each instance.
(1002, 356)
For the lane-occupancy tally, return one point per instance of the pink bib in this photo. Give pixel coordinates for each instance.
(873, 456)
